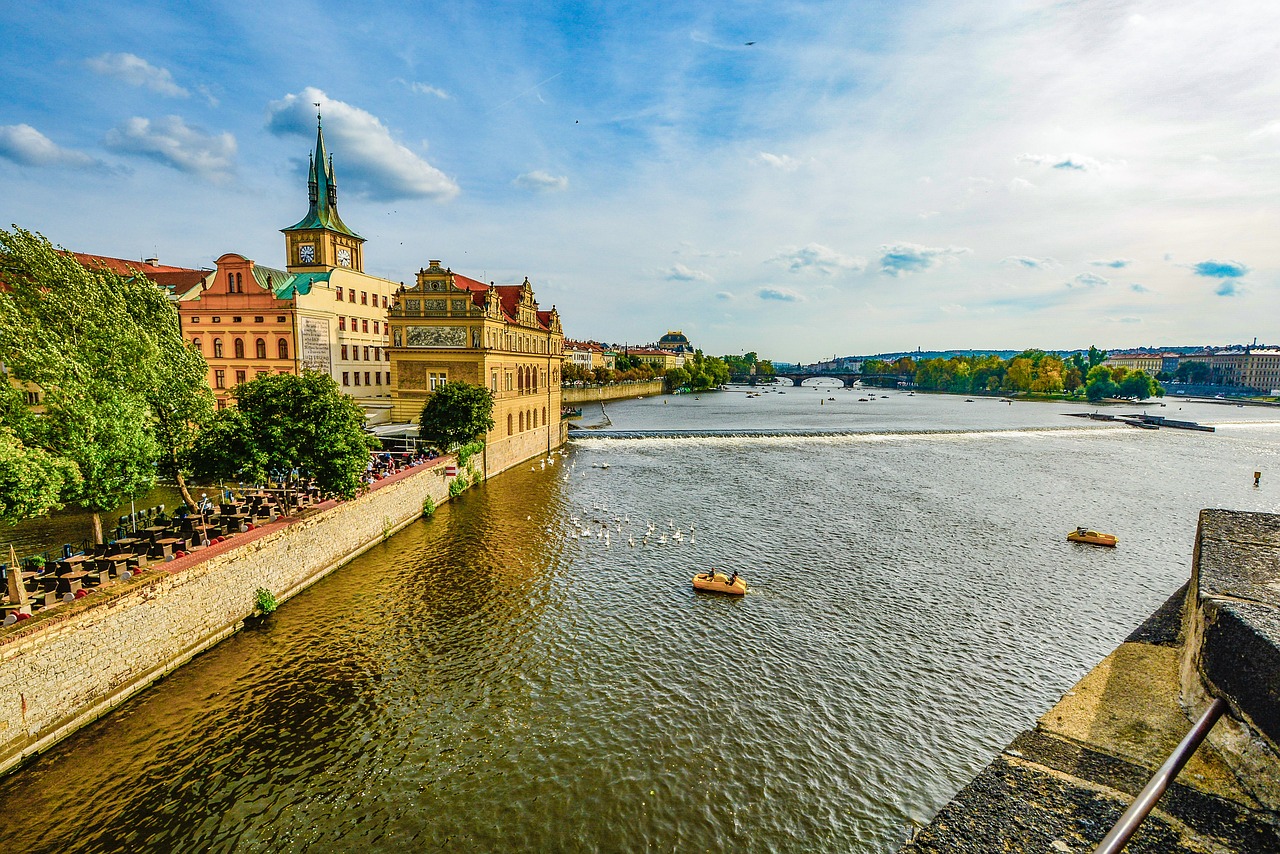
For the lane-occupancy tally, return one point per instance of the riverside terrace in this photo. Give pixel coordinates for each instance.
(39, 585)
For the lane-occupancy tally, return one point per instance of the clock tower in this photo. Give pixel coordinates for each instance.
(322, 241)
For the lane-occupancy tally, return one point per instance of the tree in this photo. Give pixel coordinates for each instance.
(283, 422)
(456, 413)
(1019, 376)
(1193, 372)
(1099, 384)
(1095, 357)
(32, 481)
(1139, 386)
(69, 331)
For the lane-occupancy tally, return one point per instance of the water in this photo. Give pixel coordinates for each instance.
(484, 682)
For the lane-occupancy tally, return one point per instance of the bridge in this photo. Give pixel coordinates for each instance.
(848, 378)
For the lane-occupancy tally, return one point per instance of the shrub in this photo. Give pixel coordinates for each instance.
(265, 600)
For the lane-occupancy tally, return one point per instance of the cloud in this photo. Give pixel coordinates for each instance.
(423, 88)
(541, 181)
(779, 294)
(815, 256)
(681, 273)
(1228, 288)
(1088, 280)
(898, 259)
(782, 162)
(171, 141)
(1021, 185)
(1064, 162)
(1028, 262)
(1220, 269)
(136, 71)
(26, 146)
(1129, 318)
(1139, 289)
(365, 154)
(725, 295)
(1115, 263)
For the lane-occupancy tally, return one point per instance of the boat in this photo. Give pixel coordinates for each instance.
(718, 582)
(1087, 535)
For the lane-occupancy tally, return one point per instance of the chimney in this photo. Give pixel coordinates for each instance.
(151, 262)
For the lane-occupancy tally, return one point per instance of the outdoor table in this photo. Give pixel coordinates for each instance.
(123, 545)
(48, 582)
(69, 564)
(166, 546)
(154, 533)
(71, 582)
(111, 564)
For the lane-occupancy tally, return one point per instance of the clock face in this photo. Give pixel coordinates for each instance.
(306, 253)
(344, 257)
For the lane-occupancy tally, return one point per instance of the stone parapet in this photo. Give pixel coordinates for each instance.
(613, 391)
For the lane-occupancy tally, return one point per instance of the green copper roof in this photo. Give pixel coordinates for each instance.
(322, 193)
(283, 284)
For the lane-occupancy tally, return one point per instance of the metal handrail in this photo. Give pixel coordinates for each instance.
(1141, 807)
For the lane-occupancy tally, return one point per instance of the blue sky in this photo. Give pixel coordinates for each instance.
(864, 177)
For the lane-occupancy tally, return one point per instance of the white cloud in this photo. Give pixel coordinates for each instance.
(1021, 185)
(724, 295)
(779, 294)
(1027, 262)
(898, 259)
(542, 181)
(26, 146)
(815, 256)
(171, 141)
(1113, 263)
(782, 162)
(424, 89)
(365, 154)
(136, 71)
(681, 273)
(1088, 280)
(1062, 162)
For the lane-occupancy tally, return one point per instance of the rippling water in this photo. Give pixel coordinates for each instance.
(485, 682)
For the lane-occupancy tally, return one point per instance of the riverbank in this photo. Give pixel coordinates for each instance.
(61, 670)
(571, 396)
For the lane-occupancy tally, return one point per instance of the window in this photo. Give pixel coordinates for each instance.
(377, 377)
(33, 398)
(384, 302)
(283, 347)
(366, 354)
(521, 422)
(240, 377)
(355, 325)
(257, 320)
(195, 342)
(544, 415)
(280, 318)
(222, 403)
(217, 319)
(345, 381)
(342, 324)
(508, 423)
(217, 350)
(195, 320)
(344, 351)
(357, 375)
(493, 381)
(351, 296)
(239, 284)
(355, 352)
(262, 373)
(231, 283)
(339, 293)
(364, 297)
(236, 320)
(388, 378)
(260, 349)
(219, 379)
(438, 380)
(375, 327)
(238, 347)
(364, 325)
(366, 378)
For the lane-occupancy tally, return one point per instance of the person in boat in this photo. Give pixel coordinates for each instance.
(1082, 531)
(733, 578)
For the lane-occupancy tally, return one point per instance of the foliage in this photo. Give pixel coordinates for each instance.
(467, 451)
(92, 342)
(456, 412)
(744, 364)
(265, 600)
(1193, 372)
(458, 485)
(283, 422)
(428, 506)
(698, 373)
(32, 480)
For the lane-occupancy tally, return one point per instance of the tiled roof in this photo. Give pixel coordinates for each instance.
(178, 279)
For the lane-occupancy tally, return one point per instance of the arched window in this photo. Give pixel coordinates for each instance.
(217, 348)
(239, 284)
(508, 423)
(544, 415)
(238, 348)
(195, 342)
(535, 419)
(260, 349)
(231, 283)
(521, 422)
(284, 348)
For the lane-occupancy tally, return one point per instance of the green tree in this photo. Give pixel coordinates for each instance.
(456, 413)
(283, 422)
(70, 331)
(1095, 357)
(32, 481)
(1099, 384)
(1139, 386)
(1193, 372)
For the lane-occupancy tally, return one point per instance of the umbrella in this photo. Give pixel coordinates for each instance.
(17, 592)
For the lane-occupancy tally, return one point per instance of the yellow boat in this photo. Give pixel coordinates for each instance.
(718, 582)
(1085, 535)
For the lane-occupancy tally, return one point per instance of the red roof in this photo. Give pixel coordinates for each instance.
(180, 279)
(508, 297)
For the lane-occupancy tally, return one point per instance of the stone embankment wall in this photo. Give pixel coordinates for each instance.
(60, 673)
(616, 391)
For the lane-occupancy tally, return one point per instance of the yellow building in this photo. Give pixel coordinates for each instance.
(449, 328)
(661, 360)
(1149, 363)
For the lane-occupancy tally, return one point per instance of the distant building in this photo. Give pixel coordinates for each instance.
(589, 355)
(675, 342)
(661, 360)
(1149, 363)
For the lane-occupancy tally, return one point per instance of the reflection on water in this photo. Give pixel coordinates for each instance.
(485, 682)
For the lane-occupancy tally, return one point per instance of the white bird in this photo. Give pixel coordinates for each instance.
(631, 541)
(662, 541)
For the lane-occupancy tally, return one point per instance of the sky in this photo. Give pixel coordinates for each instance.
(800, 179)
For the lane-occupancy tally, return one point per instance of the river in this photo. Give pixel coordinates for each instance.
(485, 681)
